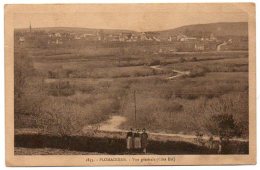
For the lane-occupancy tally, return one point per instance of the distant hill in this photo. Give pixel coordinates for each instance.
(218, 29)
(75, 29)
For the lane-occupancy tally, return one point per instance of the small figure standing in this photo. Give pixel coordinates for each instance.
(144, 140)
(129, 140)
(137, 140)
(220, 145)
(211, 140)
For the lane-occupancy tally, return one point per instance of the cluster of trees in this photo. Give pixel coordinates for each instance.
(228, 116)
(23, 70)
(224, 126)
(225, 116)
(31, 100)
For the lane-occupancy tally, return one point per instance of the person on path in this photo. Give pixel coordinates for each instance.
(144, 140)
(137, 141)
(220, 145)
(129, 140)
(211, 142)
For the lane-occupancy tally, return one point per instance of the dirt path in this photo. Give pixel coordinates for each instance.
(156, 67)
(179, 73)
(112, 124)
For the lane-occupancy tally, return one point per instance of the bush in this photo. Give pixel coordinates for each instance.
(154, 62)
(224, 126)
(61, 88)
(152, 113)
(197, 72)
(52, 75)
(61, 117)
(86, 88)
(182, 60)
(193, 59)
(228, 115)
(28, 89)
(23, 70)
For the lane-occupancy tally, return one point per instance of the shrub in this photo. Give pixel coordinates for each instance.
(224, 126)
(52, 75)
(154, 62)
(23, 70)
(228, 113)
(61, 88)
(182, 60)
(85, 88)
(61, 117)
(193, 59)
(28, 90)
(197, 72)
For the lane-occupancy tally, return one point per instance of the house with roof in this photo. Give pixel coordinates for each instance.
(199, 46)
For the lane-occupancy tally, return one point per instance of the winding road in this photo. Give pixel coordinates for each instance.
(179, 73)
(113, 125)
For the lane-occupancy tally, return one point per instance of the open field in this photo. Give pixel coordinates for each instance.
(173, 93)
(100, 81)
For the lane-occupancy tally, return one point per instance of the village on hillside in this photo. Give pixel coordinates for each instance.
(175, 42)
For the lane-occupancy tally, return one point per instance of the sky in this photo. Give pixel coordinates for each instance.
(130, 17)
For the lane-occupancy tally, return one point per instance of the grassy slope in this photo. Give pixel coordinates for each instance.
(218, 29)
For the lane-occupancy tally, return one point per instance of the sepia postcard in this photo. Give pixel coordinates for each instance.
(130, 84)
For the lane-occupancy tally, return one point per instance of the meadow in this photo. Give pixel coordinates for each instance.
(87, 85)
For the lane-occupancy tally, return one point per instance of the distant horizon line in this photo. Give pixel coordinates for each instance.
(127, 29)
